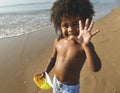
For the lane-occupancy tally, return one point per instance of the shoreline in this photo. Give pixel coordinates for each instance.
(98, 16)
(23, 56)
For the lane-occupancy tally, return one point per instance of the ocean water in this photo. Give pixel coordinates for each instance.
(28, 17)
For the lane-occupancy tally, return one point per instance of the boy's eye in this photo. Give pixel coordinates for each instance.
(75, 24)
(66, 25)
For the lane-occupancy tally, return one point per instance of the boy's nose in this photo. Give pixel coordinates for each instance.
(70, 28)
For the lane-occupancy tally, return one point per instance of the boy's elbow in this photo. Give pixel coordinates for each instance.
(97, 69)
(98, 66)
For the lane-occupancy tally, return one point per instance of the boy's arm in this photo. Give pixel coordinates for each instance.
(84, 39)
(51, 62)
(93, 60)
(50, 65)
(52, 59)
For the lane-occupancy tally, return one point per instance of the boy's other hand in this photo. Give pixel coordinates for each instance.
(41, 75)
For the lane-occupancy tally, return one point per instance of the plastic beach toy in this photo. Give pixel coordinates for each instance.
(44, 83)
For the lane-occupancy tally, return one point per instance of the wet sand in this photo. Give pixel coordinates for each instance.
(23, 56)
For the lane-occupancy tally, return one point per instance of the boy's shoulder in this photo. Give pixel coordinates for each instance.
(59, 38)
(59, 41)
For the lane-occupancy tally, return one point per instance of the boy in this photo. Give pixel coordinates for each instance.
(73, 19)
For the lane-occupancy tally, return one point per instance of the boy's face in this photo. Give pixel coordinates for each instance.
(70, 27)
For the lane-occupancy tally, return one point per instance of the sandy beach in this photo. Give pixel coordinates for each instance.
(23, 56)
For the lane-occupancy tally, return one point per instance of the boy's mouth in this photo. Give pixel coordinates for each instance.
(72, 34)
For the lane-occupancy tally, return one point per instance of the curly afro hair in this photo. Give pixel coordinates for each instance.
(70, 8)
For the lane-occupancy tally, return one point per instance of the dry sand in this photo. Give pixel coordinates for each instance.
(23, 56)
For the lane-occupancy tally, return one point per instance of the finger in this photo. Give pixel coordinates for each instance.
(94, 33)
(80, 25)
(42, 75)
(91, 26)
(86, 24)
(37, 75)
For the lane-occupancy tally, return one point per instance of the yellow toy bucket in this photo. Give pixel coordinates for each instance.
(44, 83)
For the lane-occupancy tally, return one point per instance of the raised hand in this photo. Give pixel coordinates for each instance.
(85, 33)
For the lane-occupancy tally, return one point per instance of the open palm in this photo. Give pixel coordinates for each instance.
(85, 33)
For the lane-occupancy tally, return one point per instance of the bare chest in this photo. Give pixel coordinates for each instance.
(69, 49)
